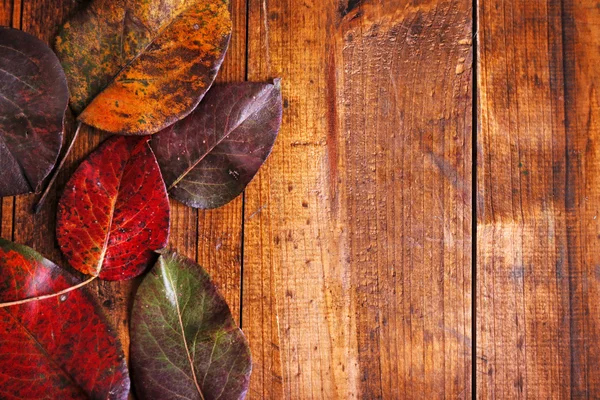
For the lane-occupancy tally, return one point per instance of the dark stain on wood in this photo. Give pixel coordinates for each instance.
(333, 129)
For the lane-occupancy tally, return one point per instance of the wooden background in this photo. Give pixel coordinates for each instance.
(348, 261)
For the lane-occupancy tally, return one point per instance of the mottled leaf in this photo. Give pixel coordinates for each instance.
(141, 65)
(58, 348)
(184, 342)
(208, 158)
(33, 101)
(114, 213)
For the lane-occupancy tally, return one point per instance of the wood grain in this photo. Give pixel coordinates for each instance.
(6, 12)
(349, 259)
(357, 237)
(538, 318)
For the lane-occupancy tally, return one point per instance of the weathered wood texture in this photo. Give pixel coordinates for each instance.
(357, 234)
(538, 284)
(348, 259)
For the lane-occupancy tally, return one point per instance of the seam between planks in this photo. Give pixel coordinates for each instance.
(570, 97)
(474, 192)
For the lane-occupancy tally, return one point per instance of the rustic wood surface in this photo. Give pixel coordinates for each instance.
(357, 232)
(538, 277)
(347, 262)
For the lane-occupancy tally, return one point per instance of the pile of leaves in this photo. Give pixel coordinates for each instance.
(142, 70)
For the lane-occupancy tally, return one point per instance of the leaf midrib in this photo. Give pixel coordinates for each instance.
(112, 215)
(187, 350)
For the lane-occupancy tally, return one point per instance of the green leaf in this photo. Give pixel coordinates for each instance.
(184, 341)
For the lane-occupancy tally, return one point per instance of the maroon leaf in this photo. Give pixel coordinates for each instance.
(33, 101)
(208, 158)
(184, 342)
(114, 213)
(58, 348)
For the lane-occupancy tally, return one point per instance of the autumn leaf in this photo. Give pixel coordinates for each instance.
(136, 67)
(208, 158)
(58, 348)
(184, 342)
(114, 212)
(33, 101)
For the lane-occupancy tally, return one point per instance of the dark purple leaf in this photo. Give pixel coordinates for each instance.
(33, 101)
(208, 158)
(184, 342)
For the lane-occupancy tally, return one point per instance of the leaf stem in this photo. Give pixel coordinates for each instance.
(47, 296)
(40, 203)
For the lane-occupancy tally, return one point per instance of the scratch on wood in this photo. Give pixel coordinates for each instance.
(266, 26)
(451, 174)
(255, 213)
(459, 336)
(332, 130)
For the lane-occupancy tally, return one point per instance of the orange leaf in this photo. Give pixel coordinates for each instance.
(140, 66)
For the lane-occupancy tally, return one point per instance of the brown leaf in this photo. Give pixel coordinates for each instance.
(139, 66)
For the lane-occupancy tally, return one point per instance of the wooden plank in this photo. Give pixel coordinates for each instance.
(10, 14)
(357, 249)
(213, 237)
(6, 12)
(538, 314)
(582, 41)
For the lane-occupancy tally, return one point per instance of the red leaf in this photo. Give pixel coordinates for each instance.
(58, 348)
(114, 213)
(33, 100)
